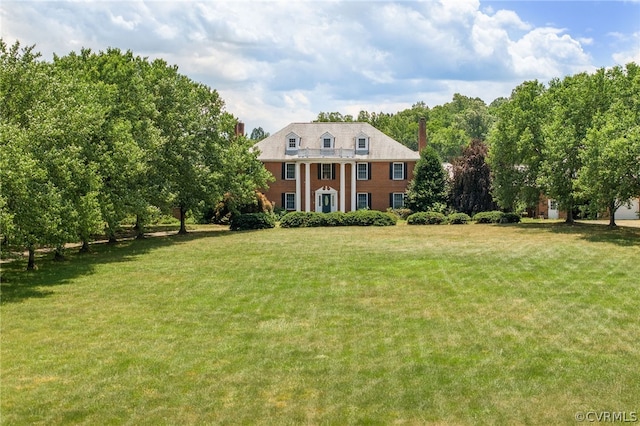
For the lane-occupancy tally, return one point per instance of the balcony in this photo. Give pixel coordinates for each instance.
(326, 153)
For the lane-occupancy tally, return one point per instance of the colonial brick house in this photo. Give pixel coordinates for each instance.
(326, 167)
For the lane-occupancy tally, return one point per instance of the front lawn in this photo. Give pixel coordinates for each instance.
(485, 324)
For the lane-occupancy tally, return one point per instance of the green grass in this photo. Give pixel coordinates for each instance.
(469, 324)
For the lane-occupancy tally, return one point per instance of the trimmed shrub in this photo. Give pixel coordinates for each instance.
(370, 218)
(488, 217)
(426, 218)
(242, 222)
(510, 218)
(496, 217)
(458, 218)
(334, 219)
(294, 220)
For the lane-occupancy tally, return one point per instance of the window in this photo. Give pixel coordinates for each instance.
(290, 171)
(327, 140)
(553, 205)
(290, 201)
(362, 144)
(363, 201)
(292, 143)
(363, 171)
(397, 171)
(397, 200)
(326, 171)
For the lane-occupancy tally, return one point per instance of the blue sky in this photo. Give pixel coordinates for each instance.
(276, 62)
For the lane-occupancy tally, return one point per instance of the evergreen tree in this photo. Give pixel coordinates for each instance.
(427, 189)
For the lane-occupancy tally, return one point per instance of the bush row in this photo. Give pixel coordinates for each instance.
(357, 218)
(436, 218)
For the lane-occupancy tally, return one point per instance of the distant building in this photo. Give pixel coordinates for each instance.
(327, 167)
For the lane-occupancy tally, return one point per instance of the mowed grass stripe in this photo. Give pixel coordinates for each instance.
(518, 324)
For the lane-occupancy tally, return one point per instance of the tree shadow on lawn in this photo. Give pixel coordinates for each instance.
(17, 284)
(592, 232)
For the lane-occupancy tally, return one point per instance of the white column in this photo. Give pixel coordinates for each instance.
(342, 188)
(307, 187)
(298, 198)
(353, 186)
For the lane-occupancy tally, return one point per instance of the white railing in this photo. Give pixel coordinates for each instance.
(326, 153)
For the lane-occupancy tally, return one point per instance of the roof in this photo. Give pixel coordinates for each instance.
(381, 146)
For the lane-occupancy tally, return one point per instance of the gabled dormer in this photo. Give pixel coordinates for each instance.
(327, 141)
(362, 144)
(292, 143)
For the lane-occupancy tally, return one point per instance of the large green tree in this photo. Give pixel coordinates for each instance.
(573, 102)
(516, 146)
(610, 172)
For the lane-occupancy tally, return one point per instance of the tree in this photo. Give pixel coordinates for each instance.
(610, 172)
(427, 189)
(470, 191)
(573, 102)
(516, 145)
(258, 134)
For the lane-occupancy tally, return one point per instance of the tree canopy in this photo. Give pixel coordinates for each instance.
(92, 138)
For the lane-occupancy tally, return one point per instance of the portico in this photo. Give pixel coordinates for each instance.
(324, 197)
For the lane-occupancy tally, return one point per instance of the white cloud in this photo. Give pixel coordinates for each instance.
(278, 61)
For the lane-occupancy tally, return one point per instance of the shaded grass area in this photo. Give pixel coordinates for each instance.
(517, 324)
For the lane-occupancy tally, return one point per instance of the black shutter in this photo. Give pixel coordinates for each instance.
(284, 171)
(391, 199)
(405, 171)
(333, 171)
(319, 165)
(368, 171)
(369, 200)
(391, 171)
(284, 201)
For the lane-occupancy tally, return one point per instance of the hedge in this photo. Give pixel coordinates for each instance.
(496, 217)
(357, 218)
(458, 218)
(426, 218)
(247, 221)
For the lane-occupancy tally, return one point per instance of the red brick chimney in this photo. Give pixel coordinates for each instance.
(422, 134)
(239, 128)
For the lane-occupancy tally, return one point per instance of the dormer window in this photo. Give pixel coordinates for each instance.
(292, 143)
(327, 141)
(362, 144)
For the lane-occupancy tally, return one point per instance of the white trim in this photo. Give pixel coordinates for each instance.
(394, 200)
(286, 171)
(353, 186)
(394, 170)
(367, 200)
(298, 194)
(366, 171)
(322, 191)
(286, 200)
(307, 187)
(342, 187)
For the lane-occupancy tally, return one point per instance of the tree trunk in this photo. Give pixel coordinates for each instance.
(58, 255)
(612, 213)
(85, 247)
(31, 264)
(570, 220)
(183, 228)
(139, 228)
